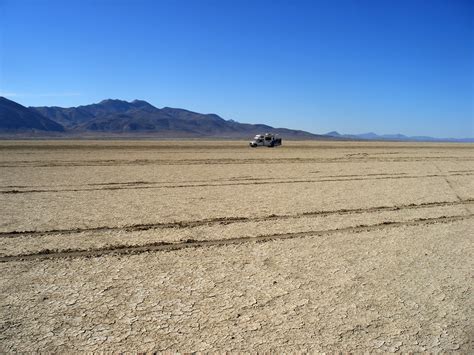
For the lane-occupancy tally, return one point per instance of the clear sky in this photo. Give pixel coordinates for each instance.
(354, 66)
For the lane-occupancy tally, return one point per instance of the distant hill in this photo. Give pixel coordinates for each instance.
(74, 117)
(396, 137)
(140, 117)
(15, 117)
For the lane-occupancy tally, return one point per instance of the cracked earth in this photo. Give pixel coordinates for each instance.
(212, 246)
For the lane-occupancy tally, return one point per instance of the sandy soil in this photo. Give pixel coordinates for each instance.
(213, 246)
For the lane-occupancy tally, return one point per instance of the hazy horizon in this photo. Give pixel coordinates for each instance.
(348, 66)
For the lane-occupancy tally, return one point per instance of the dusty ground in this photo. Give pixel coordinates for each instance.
(147, 246)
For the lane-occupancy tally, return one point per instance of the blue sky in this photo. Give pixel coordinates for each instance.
(352, 66)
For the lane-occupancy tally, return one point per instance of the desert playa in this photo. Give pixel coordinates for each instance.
(212, 245)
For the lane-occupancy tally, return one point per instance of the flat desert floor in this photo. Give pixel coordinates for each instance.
(214, 246)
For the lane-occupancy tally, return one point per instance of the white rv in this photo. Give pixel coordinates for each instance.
(265, 140)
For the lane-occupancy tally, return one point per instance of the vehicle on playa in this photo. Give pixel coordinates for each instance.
(265, 140)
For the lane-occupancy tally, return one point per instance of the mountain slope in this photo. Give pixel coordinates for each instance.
(76, 116)
(110, 106)
(138, 116)
(68, 117)
(15, 117)
(113, 117)
(396, 137)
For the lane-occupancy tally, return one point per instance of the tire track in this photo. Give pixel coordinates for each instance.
(361, 159)
(166, 247)
(232, 179)
(450, 185)
(230, 220)
(460, 171)
(292, 181)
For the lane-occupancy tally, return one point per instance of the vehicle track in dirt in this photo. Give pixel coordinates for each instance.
(230, 220)
(233, 179)
(351, 159)
(163, 246)
(288, 181)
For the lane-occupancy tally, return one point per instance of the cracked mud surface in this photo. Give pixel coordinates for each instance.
(211, 246)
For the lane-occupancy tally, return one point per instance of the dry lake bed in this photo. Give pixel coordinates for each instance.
(215, 246)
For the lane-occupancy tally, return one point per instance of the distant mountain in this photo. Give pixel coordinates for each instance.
(15, 117)
(369, 135)
(75, 116)
(111, 106)
(140, 117)
(333, 134)
(68, 117)
(396, 137)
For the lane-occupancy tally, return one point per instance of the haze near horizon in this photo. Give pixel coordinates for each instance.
(347, 66)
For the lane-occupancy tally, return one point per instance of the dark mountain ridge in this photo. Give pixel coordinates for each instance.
(117, 118)
(15, 117)
(138, 116)
(396, 137)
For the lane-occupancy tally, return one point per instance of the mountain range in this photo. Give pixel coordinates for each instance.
(396, 137)
(139, 118)
(15, 117)
(113, 117)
